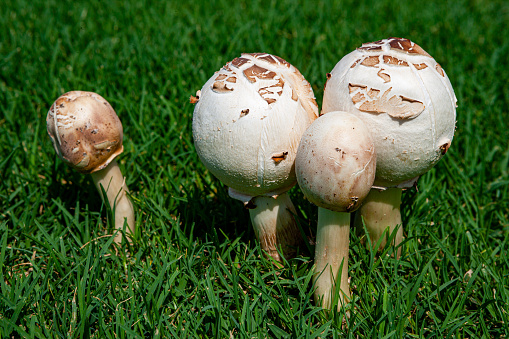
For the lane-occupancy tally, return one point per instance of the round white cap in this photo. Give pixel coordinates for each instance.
(336, 162)
(248, 121)
(405, 99)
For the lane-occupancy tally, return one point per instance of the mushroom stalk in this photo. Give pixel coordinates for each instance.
(331, 251)
(113, 183)
(275, 226)
(381, 211)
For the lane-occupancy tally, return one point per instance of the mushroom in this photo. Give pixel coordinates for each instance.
(408, 104)
(247, 123)
(87, 134)
(335, 167)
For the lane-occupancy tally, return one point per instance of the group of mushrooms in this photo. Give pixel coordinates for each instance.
(388, 116)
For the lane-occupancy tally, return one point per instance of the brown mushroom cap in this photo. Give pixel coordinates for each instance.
(85, 130)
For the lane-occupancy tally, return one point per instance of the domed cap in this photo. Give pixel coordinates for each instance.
(248, 121)
(336, 162)
(405, 99)
(85, 130)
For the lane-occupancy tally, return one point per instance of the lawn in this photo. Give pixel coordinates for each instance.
(195, 268)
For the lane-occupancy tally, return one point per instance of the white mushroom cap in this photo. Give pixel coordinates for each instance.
(336, 162)
(405, 99)
(248, 121)
(85, 130)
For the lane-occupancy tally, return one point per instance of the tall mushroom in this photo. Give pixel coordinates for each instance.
(87, 134)
(408, 104)
(247, 123)
(335, 167)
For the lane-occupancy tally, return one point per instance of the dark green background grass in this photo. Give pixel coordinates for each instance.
(195, 269)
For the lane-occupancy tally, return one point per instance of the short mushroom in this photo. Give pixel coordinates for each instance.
(247, 123)
(87, 134)
(335, 167)
(408, 104)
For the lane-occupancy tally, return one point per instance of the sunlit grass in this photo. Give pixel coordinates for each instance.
(195, 269)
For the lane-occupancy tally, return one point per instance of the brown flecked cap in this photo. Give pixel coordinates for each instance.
(406, 101)
(248, 121)
(85, 130)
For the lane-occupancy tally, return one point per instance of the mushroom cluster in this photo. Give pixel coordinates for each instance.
(335, 166)
(247, 124)
(87, 134)
(408, 104)
(388, 116)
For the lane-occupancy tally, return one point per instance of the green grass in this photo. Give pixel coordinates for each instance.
(195, 269)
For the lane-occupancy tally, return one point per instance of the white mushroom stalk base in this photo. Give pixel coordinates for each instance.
(331, 251)
(275, 226)
(113, 183)
(381, 212)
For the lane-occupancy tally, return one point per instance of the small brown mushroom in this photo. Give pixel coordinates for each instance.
(87, 134)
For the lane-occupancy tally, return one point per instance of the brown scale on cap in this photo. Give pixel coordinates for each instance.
(295, 97)
(354, 64)
(227, 68)
(445, 147)
(264, 70)
(407, 46)
(220, 87)
(373, 93)
(195, 99)
(397, 44)
(244, 112)
(370, 61)
(389, 60)
(268, 93)
(440, 70)
(278, 157)
(394, 105)
(301, 89)
(371, 46)
(85, 130)
(272, 59)
(358, 97)
(256, 72)
(397, 106)
(384, 76)
(357, 93)
(420, 66)
(374, 61)
(328, 75)
(238, 62)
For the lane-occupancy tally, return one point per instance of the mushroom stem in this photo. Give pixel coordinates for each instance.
(381, 211)
(113, 182)
(331, 251)
(275, 226)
